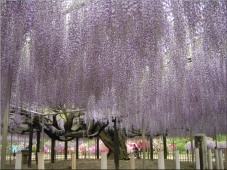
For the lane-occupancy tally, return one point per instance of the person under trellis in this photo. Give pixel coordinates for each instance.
(136, 151)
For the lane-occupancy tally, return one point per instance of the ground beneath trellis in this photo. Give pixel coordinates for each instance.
(96, 164)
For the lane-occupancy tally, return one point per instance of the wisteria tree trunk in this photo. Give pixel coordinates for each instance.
(107, 138)
(72, 130)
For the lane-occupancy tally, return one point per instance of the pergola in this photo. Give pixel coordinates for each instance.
(157, 63)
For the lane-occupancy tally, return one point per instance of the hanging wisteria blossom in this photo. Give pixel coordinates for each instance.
(164, 61)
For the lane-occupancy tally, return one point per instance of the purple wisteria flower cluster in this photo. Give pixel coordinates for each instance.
(164, 61)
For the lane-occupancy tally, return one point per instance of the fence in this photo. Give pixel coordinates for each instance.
(60, 156)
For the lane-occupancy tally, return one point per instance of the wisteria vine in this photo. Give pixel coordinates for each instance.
(164, 61)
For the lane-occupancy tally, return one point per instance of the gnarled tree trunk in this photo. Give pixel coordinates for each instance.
(107, 137)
